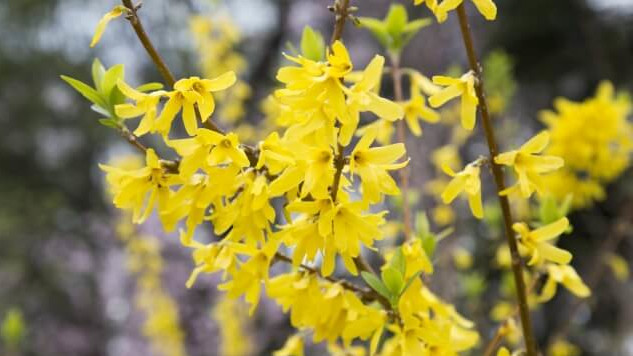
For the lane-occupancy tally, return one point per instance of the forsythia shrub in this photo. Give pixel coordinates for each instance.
(311, 196)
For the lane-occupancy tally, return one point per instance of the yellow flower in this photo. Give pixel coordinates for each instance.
(145, 105)
(101, 26)
(465, 181)
(207, 149)
(415, 109)
(594, 139)
(529, 166)
(187, 95)
(464, 87)
(372, 164)
(274, 153)
(132, 187)
(503, 352)
(362, 97)
(619, 266)
(563, 348)
(485, 7)
(537, 245)
(567, 276)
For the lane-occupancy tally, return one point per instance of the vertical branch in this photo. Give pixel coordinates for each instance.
(147, 43)
(396, 75)
(517, 267)
(341, 12)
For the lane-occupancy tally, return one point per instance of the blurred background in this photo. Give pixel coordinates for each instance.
(66, 286)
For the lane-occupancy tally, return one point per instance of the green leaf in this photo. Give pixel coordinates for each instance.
(416, 25)
(393, 279)
(396, 20)
(110, 78)
(377, 29)
(13, 329)
(312, 44)
(109, 123)
(428, 244)
(150, 87)
(548, 211)
(87, 91)
(398, 261)
(100, 110)
(375, 284)
(412, 28)
(422, 225)
(98, 71)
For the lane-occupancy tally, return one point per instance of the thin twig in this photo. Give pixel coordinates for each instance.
(396, 75)
(147, 43)
(517, 267)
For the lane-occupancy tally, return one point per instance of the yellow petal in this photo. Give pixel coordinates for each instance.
(189, 118)
(220, 83)
(129, 91)
(452, 190)
(101, 26)
(126, 111)
(474, 201)
(554, 254)
(537, 143)
(386, 154)
(550, 231)
(384, 108)
(469, 112)
(548, 292)
(448, 93)
(486, 8)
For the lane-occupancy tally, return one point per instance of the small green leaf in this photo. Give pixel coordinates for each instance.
(378, 29)
(13, 329)
(393, 279)
(110, 78)
(98, 71)
(422, 225)
(85, 90)
(548, 211)
(150, 87)
(376, 284)
(109, 123)
(428, 244)
(416, 25)
(396, 20)
(312, 44)
(398, 261)
(100, 110)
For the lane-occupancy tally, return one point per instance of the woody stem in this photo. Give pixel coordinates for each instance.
(517, 266)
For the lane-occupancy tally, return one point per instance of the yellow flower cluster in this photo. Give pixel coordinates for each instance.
(441, 8)
(594, 138)
(162, 325)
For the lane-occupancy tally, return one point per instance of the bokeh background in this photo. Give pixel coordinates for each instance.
(62, 263)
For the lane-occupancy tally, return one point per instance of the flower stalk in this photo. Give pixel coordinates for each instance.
(517, 266)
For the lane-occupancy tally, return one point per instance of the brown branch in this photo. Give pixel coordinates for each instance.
(135, 21)
(517, 267)
(396, 75)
